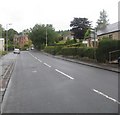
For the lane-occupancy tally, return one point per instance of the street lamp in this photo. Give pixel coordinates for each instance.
(46, 36)
(7, 36)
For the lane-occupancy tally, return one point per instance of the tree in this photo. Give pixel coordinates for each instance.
(1, 31)
(79, 27)
(102, 22)
(38, 35)
(11, 34)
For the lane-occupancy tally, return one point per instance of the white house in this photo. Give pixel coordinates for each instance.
(2, 44)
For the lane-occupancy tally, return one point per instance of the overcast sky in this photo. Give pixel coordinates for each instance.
(25, 14)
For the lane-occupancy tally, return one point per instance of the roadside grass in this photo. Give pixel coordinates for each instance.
(3, 52)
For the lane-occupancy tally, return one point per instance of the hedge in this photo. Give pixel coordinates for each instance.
(81, 52)
(53, 49)
(101, 54)
(106, 46)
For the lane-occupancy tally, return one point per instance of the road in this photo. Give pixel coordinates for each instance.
(43, 84)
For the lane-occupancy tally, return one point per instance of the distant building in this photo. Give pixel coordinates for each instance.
(92, 40)
(21, 40)
(2, 44)
(112, 31)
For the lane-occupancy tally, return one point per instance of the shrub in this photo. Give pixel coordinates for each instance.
(105, 46)
(69, 51)
(53, 49)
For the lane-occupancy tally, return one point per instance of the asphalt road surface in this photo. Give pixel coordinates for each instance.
(43, 84)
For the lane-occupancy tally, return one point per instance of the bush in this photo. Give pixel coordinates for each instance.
(69, 51)
(53, 49)
(106, 46)
(81, 52)
(3, 52)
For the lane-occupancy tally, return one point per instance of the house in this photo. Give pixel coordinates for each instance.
(2, 44)
(92, 40)
(21, 40)
(112, 31)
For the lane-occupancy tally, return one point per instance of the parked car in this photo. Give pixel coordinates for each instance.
(16, 51)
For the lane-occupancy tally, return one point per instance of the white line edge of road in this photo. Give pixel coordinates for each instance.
(108, 97)
(64, 74)
(47, 65)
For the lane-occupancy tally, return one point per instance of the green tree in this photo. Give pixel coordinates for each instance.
(1, 31)
(102, 22)
(87, 33)
(11, 34)
(79, 27)
(38, 35)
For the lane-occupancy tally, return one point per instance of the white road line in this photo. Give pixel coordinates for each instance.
(47, 64)
(39, 60)
(64, 74)
(108, 97)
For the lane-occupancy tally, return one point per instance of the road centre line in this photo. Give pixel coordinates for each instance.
(47, 64)
(39, 60)
(64, 74)
(108, 97)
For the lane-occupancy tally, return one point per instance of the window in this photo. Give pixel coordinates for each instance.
(110, 36)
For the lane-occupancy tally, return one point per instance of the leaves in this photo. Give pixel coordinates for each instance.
(79, 27)
(102, 22)
(39, 34)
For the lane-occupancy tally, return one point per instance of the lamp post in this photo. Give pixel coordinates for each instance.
(46, 35)
(7, 36)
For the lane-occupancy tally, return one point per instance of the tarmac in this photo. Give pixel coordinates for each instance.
(7, 65)
(114, 67)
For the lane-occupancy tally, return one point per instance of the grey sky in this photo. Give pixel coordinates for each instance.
(24, 14)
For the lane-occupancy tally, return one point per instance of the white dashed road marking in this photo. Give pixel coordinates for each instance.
(47, 64)
(39, 60)
(64, 74)
(55, 69)
(108, 97)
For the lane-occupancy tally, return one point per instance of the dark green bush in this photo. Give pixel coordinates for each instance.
(81, 52)
(106, 46)
(69, 51)
(53, 49)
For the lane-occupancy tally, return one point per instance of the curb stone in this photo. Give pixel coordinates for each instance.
(113, 69)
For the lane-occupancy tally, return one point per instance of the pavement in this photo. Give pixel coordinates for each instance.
(6, 67)
(105, 66)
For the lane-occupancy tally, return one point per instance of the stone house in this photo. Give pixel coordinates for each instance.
(112, 31)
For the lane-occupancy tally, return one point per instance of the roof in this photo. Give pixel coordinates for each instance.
(109, 29)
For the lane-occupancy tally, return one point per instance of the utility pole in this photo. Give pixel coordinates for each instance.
(46, 36)
(7, 36)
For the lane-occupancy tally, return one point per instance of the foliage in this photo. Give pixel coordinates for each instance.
(53, 49)
(106, 46)
(38, 35)
(68, 42)
(3, 52)
(80, 44)
(1, 31)
(87, 33)
(79, 27)
(11, 34)
(102, 22)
